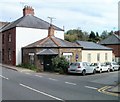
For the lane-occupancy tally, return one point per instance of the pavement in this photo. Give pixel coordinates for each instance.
(112, 89)
(19, 69)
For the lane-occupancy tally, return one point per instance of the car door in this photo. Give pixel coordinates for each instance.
(87, 67)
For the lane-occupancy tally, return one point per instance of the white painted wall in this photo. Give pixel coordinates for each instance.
(94, 55)
(26, 36)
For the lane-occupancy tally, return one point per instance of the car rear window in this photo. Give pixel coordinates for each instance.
(74, 64)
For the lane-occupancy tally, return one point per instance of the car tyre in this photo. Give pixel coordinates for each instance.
(113, 69)
(108, 70)
(94, 71)
(83, 72)
(100, 70)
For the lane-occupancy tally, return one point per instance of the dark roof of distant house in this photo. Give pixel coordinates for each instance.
(30, 21)
(113, 39)
(92, 46)
(3, 24)
(53, 42)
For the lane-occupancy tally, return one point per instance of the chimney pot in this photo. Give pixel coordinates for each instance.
(51, 31)
(28, 11)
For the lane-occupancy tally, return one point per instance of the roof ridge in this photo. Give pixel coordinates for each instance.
(47, 22)
(57, 43)
(44, 40)
(23, 22)
(11, 23)
(117, 36)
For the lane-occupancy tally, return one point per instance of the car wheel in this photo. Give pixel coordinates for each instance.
(108, 70)
(83, 72)
(100, 70)
(113, 69)
(119, 69)
(94, 71)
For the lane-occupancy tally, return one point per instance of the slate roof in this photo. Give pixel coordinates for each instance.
(30, 21)
(92, 46)
(113, 39)
(54, 42)
(47, 52)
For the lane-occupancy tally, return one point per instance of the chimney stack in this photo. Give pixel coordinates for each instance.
(28, 10)
(51, 30)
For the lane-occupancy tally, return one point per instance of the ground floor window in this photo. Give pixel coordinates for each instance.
(9, 54)
(89, 57)
(2, 54)
(106, 56)
(98, 57)
(31, 58)
(68, 56)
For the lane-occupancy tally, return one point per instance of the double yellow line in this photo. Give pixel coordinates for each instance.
(103, 90)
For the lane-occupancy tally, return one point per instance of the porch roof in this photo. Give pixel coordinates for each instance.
(47, 52)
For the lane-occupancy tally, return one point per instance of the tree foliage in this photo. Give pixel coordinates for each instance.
(77, 34)
(60, 64)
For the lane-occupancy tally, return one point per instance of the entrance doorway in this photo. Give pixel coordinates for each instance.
(48, 62)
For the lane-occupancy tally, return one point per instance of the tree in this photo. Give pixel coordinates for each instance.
(92, 35)
(76, 34)
(104, 34)
(97, 35)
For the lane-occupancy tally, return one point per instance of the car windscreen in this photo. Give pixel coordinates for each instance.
(74, 64)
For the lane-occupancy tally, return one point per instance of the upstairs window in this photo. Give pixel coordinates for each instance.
(9, 37)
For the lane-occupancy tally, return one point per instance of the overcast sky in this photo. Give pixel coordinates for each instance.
(88, 15)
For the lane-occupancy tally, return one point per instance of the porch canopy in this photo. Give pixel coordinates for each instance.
(47, 52)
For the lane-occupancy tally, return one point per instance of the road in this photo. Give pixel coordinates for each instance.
(46, 86)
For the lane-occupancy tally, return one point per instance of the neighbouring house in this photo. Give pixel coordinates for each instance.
(22, 32)
(93, 52)
(41, 52)
(2, 24)
(113, 41)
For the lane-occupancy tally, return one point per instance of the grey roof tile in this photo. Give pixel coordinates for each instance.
(53, 42)
(92, 45)
(113, 39)
(47, 52)
(30, 21)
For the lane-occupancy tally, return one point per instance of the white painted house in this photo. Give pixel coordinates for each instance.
(22, 32)
(93, 52)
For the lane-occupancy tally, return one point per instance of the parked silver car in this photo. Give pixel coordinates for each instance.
(101, 67)
(81, 67)
(113, 66)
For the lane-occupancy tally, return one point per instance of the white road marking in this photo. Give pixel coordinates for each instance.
(4, 77)
(70, 83)
(39, 76)
(40, 92)
(91, 87)
(53, 79)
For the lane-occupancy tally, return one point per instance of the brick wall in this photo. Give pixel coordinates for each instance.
(38, 61)
(9, 45)
(116, 49)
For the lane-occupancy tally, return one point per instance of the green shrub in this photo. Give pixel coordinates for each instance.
(60, 64)
(27, 66)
